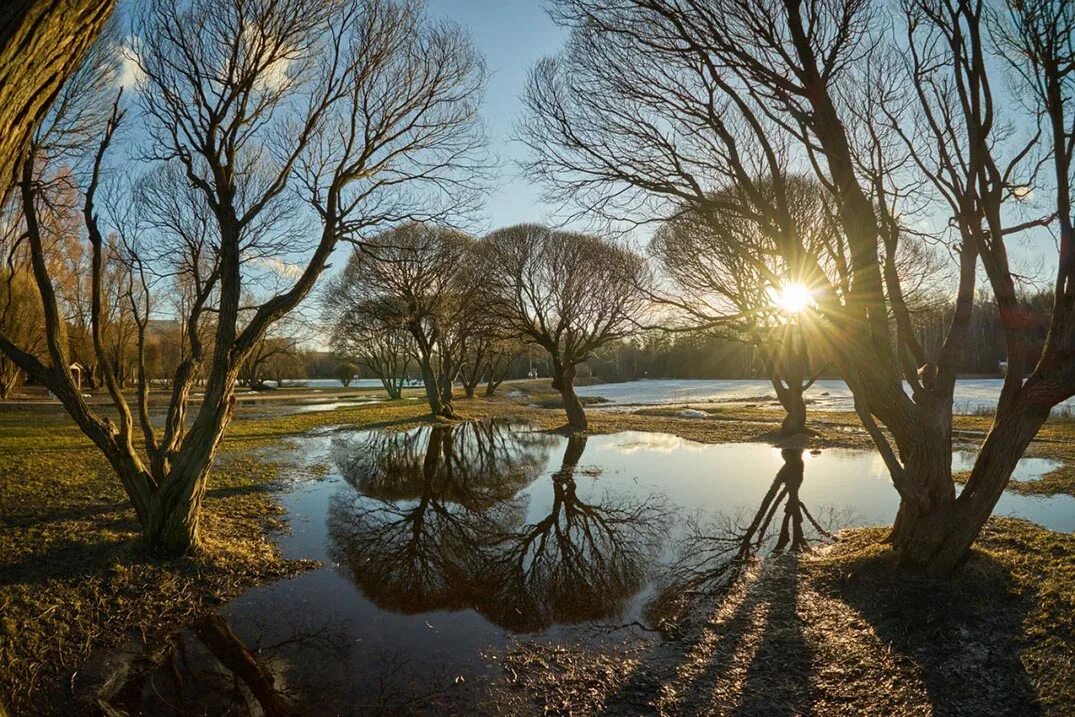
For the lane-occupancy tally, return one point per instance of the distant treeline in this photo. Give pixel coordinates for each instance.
(661, 354)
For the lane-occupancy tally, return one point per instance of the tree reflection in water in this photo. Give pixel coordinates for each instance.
(582, 561)
(210, 669)
(440, 524)
(714, 554)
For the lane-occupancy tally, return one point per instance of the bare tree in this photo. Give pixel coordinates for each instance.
(655, 103)
(345, 373)
(727, 278)
(370, 332)
(414, 277)
(272, 358)
(364, 110)
(569, 293)
(502, 353)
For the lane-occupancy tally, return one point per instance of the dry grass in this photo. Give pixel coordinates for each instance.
(843, 631)
(74, 578)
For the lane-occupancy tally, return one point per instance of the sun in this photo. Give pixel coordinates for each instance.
(792, 298)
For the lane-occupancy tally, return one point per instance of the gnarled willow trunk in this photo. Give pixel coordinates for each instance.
(791, 398)
(42, 42)
(171, 524)
(429, 381)
(447, 389)
(935, 532)
(563, 380)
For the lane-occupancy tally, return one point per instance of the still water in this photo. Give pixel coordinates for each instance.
(441, 546)
(971, 394)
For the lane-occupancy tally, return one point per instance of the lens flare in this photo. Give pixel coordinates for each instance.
(792, 298)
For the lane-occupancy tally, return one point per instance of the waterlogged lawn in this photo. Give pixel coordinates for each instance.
(74, 577)
(74, 580)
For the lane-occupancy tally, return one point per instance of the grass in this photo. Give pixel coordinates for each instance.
(844, 630)
(74, 578)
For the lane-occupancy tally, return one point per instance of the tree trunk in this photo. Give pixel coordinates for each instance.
(564, 382)
(172, 518)
(42, 42)
(935, 534)
(393, 389)
(429, 380)
(791, 398)
(447, 388)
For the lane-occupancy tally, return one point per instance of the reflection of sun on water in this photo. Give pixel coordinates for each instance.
(792, 298)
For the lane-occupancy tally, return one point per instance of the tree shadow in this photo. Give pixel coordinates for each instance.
(72, 558)
(747, 654)
(860, 635)
(963, 633)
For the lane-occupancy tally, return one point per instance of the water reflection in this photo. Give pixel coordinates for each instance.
(447, 539)
(717, 548)
(582, 560)
(474, 464)
(210, 669)
(438, 524)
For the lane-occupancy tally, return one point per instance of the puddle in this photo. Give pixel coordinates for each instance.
(1027, 469)
(442, 545)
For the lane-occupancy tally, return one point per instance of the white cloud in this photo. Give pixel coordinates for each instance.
(129, 75)
(278, 267)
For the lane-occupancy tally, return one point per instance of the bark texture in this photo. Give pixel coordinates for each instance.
(42, 42)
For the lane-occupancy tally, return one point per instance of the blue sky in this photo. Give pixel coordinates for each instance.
(512, 35)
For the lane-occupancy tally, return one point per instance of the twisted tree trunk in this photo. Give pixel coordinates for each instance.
(790, 395)
(563, 380)
(429, 382)
(935, 533)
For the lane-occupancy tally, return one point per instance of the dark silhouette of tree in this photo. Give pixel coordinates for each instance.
(725, 274)
(655, 104)
(345, 373)
(568, 293)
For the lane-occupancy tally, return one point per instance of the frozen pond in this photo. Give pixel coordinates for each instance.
(441, 544)
(971, 395)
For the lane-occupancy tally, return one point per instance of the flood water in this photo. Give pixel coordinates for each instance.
(971, 394)
(443, 545)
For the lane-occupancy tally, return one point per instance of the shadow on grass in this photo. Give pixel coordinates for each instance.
(71, 558)
(884, 642)
(964, 634)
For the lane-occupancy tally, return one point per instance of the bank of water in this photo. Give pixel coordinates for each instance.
(441, 546)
